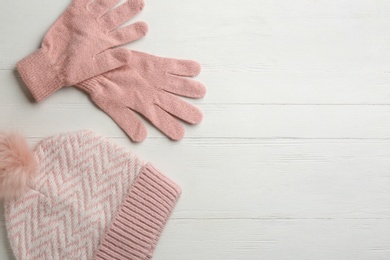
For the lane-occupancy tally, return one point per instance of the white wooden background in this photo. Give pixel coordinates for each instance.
(292, 160)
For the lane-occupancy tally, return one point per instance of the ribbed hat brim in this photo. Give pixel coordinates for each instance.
(142, 217)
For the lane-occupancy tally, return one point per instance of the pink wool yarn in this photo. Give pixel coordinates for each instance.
(90, 199)
(79, 44)
(150, 86)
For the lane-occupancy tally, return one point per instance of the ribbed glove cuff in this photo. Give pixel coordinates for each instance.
(89, 85)
(40, 75)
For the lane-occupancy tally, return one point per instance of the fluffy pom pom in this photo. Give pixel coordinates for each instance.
(17, 165)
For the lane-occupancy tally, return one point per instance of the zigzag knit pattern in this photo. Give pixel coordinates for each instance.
(83, 181)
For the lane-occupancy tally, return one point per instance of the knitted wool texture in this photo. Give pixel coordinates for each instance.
(90, 200)
(79, 44)
(150, 86)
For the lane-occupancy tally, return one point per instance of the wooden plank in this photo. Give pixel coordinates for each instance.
(220, 121)
(244, 36)
(254, 239)
(276, 179)
(269, 239)
(273, 87)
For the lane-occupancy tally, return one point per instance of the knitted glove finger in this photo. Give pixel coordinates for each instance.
(179, 108)
(162, 113)
(80, 3)
(127, 120)
(183, 86)
(122, 13)
(169, 74)
(100, 7)
(129, 33)
(105, 61)
(163, 121)
(185, 68)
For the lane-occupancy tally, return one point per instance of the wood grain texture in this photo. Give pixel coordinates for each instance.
(292, 158)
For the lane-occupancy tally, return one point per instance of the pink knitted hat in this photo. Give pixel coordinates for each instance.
(78, 196)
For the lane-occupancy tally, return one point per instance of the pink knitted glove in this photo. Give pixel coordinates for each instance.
(78, 45)
(147, 86)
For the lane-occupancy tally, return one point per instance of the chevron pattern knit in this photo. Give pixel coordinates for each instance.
(83, 183)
